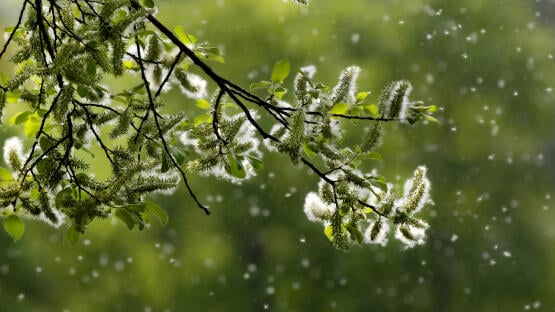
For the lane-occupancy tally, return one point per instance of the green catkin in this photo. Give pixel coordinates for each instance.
(153, 50)
(376, 228)
(64, 101)
(118, 50)
(183, 79)
(339, 239)
(344, 88)
(2, 103)
(398, 99)
(406, 232)
(387, 207)
(372, 138)
(416, 194)
(301, 92)
(45, 207)
(293, 143)
(384, 99)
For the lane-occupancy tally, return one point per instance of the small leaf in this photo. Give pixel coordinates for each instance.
(9, 29)
(14, 226)
(13, 97)
(432, 119)
(82, 91)
(255, 162)
(184, 36)
(165, 163)
(212, 52)
(372, 109)
(148, 3)
(260, 84)
(372, 155)
(20, 117)
(215, 58)
(61, 197)
(329, 232)
(202, 103)
(279, 92)
(367, 210)
(73, 235)
(136, 207)
(158, 211)
(126, 217)
(361, 96)
(308, 151)
(91, 68)
(281, 71)
(5, 176)
(204, 118)
(378, 182)
(32, 126)
(128, 64)
(236, 167)
(339, 109)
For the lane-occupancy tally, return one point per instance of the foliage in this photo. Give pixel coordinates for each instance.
(67, 49)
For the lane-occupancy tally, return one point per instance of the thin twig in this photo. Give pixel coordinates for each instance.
(162, 137)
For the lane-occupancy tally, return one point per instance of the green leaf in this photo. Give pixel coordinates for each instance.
(128, 64)
(20, 117)
(5, 176)
(361, 96)
(165, 163)
(76, 12)
(281, 71)
(136, 207)
(212, 54)
(178, 154)
(308, 151)
(158, 211)
(339, 109)
(82, 91)
(432, 119)
(41, 112)
(184, 36)
(202, 103)
(236, 167)
(367, 210)
(260, 84)
(371, 109)
(9, 29)
(378, 182)
(14, 226)
(62, 195)
(126, 217)
(279, 92)
(73, 235)
(372, 155)
(204, 118)
(13, 97)
(32, 126)
(255, 162)
(148, 3)
(329, 232)
(91, 67)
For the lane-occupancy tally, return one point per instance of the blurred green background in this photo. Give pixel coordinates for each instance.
(488, 63)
